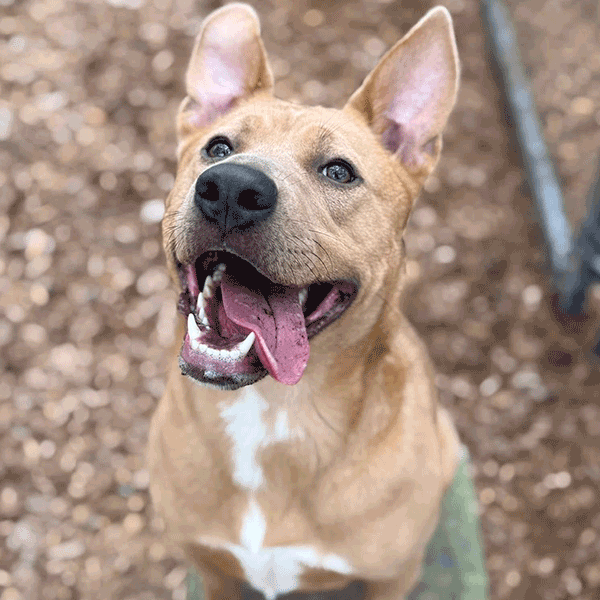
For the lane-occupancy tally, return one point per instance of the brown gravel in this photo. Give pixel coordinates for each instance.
(88, 92)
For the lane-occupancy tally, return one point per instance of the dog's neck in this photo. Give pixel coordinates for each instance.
(323, 387)
(316, 418)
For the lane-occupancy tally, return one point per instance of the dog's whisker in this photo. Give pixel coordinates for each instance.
(326, 253)
(310, 228)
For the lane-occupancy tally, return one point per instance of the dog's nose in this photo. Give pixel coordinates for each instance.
(233, 195)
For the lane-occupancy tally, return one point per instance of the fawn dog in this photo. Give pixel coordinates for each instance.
(314, 452)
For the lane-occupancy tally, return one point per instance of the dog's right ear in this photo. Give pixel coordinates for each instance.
(228, 63)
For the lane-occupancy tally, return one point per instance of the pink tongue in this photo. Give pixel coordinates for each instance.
(278, 323)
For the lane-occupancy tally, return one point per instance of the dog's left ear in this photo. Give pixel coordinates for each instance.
(228, 63)
(409, 95)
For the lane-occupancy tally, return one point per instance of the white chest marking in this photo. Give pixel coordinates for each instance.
(275, 570)
(272, 570)
(248, 434)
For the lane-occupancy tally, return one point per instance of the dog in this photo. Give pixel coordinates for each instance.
(299, 445)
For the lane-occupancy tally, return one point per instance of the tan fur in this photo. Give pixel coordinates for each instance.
(376, 453)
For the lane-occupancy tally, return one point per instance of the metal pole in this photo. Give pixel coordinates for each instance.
(542, 177)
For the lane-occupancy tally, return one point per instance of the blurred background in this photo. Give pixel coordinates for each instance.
(88, 94)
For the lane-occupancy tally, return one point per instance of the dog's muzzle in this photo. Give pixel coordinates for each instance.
(235, 196)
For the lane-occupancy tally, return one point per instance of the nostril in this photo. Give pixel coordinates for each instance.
(252, 200)
(259, 193)
(207, 190)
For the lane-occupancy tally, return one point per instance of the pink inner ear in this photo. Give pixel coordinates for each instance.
(219, 85)
(227, 76)
(417, 88)
(400, 141)
(225, 64)
(201, 115)
(418, 85)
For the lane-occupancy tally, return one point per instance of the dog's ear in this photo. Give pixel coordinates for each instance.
(228, 63)
(409, 95)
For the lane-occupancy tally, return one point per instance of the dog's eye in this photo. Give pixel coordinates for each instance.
(219, 148)
(339, 171)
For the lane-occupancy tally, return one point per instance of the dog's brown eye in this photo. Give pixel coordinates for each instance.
(339, 171)
(219, 148)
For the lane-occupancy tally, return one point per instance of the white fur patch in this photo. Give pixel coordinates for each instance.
(254, 528)
(248, 434)
(271, 570)
(245, 427)
(275, 570)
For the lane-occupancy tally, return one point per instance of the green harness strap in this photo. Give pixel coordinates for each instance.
(454, 567)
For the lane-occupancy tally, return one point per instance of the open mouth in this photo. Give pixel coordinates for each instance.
(241, 325)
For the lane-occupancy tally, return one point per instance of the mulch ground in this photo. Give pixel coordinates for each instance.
(88, 93)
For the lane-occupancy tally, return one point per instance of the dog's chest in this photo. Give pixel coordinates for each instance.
(273, 570)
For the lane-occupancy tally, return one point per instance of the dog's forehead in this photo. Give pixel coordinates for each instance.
(313, 129)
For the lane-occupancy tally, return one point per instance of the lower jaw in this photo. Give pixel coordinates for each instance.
(220, 374)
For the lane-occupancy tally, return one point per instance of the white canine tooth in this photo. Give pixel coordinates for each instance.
(302, 294)
(207, 291)
(201, 311)
(193, 329)
(218, 274)
(244, 346)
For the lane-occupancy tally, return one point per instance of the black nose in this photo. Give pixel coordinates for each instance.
(233, 195)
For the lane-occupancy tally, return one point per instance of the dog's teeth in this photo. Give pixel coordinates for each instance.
(244, 346)
(238, 352)
(193, 329)
(223, 354)
(302, 295)
(198, 346)
(212, 281)
(218, 274)
(201, 311)
(208, 289)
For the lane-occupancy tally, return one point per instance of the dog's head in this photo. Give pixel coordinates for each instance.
(285, 219)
